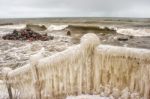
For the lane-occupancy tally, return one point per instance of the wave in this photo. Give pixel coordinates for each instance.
(120, 30)
(90, 29)
(6, 29)
(78, 27)
(129, 31)
(57, 27)
(134, 32)
(19, 26)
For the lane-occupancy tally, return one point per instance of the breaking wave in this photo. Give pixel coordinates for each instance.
(9, 28)
(57, 27)
(78, 27)
(134, 32)
(19, 26)
(126, 31)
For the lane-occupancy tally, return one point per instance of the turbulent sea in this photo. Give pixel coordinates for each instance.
(129, 32)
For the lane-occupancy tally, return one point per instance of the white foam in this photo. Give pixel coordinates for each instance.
(9, 28)
(57, 27)
(134, 32)
(110, 27)
(19, 26)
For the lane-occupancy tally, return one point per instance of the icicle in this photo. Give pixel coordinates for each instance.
(38, 84)
(124, 67)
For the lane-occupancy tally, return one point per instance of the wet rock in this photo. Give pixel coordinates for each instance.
(122, 38)
(51, 37)
(25, 34)
(68, 33)
(131, 36)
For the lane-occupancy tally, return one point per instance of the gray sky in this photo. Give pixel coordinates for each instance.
(74, 8)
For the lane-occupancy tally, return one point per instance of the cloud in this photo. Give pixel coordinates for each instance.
(74, 8)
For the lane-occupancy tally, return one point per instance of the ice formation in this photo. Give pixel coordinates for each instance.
(84, 69)
(123, 67)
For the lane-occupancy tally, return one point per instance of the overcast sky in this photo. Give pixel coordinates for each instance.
(74, 8)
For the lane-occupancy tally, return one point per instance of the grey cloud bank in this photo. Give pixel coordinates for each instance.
(74, 8)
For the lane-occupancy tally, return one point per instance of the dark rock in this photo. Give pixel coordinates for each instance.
(25, 34)
(131, 36)
(51, 37)
(122, 38)
(68, 33)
